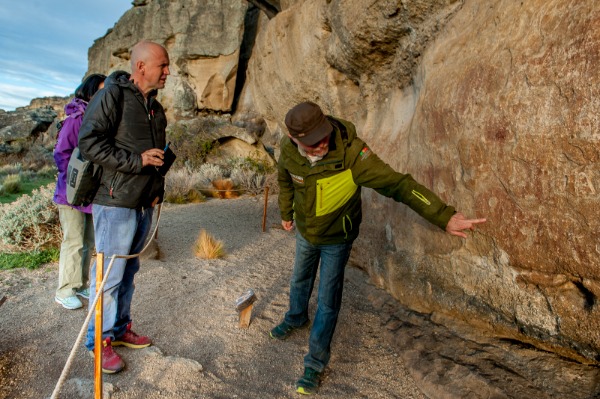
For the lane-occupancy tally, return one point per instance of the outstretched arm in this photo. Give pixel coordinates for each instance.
(458, 222)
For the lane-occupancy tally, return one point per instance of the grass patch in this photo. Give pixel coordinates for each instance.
(208, 247)
(26, 187)
(30, 260)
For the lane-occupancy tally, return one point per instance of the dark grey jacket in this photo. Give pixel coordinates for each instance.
(117, 128)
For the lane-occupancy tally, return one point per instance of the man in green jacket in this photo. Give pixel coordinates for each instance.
(322, 166)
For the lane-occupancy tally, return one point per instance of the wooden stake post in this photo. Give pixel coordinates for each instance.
(245, 316)
(244, 306)
(264, 220)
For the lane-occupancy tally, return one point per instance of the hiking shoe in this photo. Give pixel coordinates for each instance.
(70, 302)
(308, 384)
(132, 340)
(84, 293)
(283, 330)
(111, 361)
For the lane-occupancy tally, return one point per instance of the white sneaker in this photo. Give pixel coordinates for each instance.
(71, 302)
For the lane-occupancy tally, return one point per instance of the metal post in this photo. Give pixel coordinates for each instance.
(98, 328)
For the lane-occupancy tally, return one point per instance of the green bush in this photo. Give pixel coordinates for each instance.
(12, 184)
(192, 149)
(30, 223)
(30, 260)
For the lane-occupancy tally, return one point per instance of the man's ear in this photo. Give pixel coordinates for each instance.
(140, 66)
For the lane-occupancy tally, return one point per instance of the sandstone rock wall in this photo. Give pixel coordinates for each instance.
(505, 126)
(203, 39)
(491, 104)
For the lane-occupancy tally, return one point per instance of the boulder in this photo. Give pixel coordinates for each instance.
(21, 127)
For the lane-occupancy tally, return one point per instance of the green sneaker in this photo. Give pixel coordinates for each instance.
(308, 384)
(283, 330)
(84, 293)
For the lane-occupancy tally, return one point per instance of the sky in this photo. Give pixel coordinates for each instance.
(44, 45)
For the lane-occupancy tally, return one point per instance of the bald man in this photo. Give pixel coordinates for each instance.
(124, 131)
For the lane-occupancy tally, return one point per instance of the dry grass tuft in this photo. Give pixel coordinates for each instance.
(224, 189)
(207, 247)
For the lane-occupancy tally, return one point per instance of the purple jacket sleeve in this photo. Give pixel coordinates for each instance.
(67, 141)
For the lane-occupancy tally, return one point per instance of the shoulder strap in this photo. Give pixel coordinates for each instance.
(119, 106)
(341, 128)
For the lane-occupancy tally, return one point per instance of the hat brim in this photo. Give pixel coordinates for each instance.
(318, 134)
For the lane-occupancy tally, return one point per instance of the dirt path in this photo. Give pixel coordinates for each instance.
(187, 306)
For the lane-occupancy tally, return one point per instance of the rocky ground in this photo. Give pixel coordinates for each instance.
(187, 305)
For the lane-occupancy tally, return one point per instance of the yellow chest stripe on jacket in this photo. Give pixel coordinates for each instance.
(334, 191)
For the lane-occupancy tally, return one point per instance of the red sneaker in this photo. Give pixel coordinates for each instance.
(132, 340)
(111, 361)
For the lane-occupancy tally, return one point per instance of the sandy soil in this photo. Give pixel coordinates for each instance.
(187, 306)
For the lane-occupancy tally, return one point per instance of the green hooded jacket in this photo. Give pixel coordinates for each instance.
(325, 199)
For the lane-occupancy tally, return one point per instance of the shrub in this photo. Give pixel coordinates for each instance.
(195, 196)
(192, 148)
(208, 172)
(47, 171)
(248, 180)
(30, 223)
(250, 174)
(182, 187)
(11, 169)
(271, 182)
(12, 184)
(208, 247)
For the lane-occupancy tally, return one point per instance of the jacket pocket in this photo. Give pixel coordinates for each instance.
(333, 192)
(346, 226)
(116, 179)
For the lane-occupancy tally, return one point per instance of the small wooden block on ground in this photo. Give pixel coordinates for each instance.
(244, 306)
(245, 316)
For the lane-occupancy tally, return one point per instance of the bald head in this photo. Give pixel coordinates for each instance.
(149, 66)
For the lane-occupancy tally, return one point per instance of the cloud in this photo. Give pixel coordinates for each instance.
(13, 96)
(44, 45)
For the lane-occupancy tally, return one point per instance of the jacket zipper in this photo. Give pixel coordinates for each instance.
(113, 182)
(151, 119)
(321, 199)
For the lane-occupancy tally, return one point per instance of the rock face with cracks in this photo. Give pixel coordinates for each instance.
(493, 105)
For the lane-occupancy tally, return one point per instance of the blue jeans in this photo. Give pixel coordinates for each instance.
(120, 231)
(329, 301)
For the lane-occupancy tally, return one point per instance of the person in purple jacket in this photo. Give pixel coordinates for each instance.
(76, 222)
